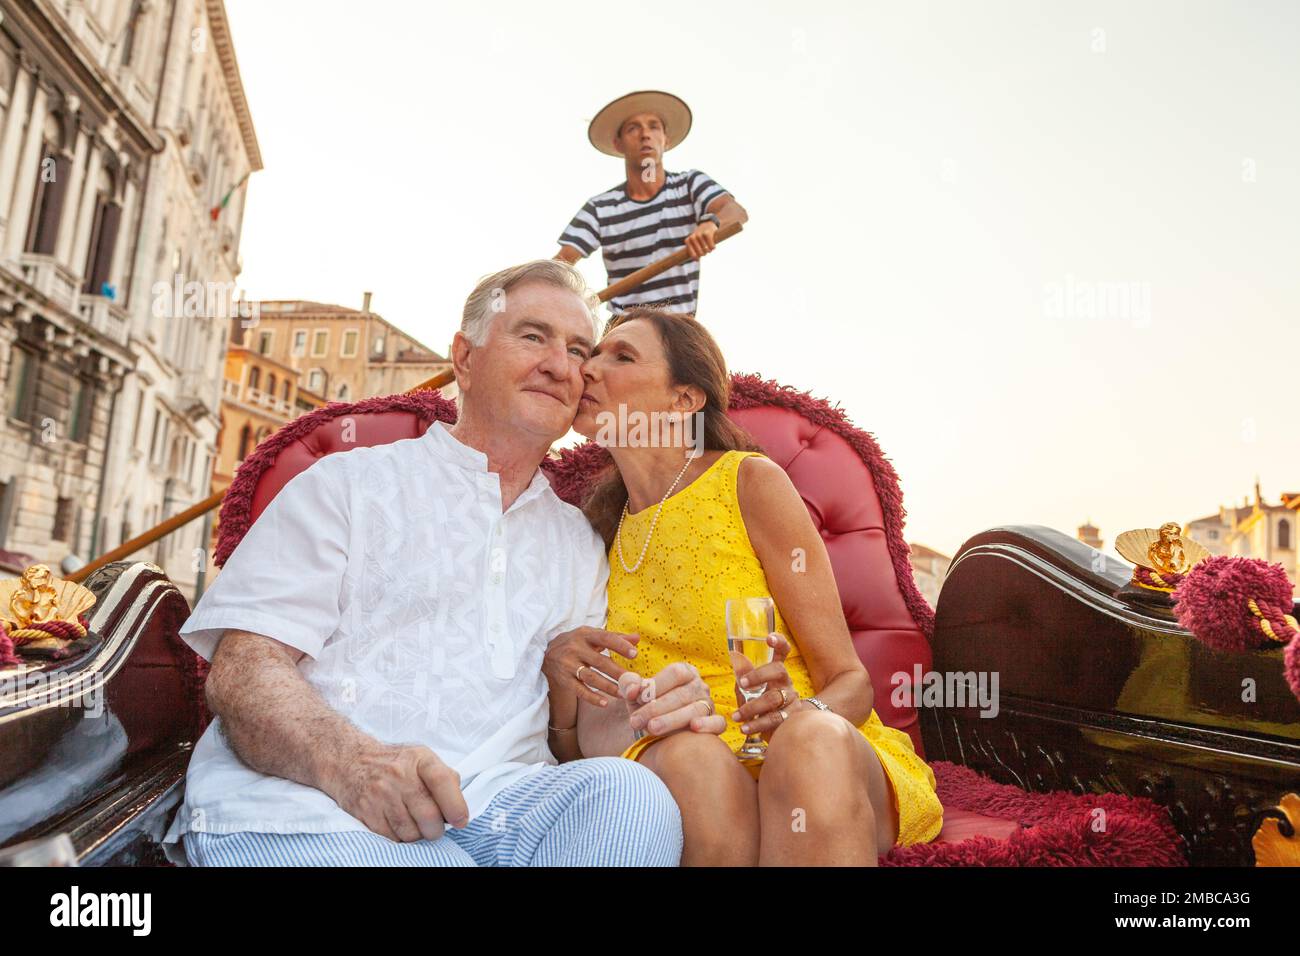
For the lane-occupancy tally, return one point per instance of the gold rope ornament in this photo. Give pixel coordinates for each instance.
(39, 610)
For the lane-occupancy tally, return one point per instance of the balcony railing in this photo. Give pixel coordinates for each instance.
(51, 279)
(257, 398)
(106, 316)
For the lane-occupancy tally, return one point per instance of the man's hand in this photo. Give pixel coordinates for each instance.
(701, 241)
(676, 698)
(574, 663)
(403, 792)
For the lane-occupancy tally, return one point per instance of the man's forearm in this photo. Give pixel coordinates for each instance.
(729, 211)
(274, 720)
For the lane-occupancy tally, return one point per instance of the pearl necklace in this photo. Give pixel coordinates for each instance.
(618, 536)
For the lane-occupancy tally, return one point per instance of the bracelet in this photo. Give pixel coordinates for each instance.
(562, 730)
(711, 217)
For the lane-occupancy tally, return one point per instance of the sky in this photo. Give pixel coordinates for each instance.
(1048, 253)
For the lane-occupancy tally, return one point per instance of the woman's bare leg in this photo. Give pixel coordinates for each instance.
(823, 796)
(717, 797)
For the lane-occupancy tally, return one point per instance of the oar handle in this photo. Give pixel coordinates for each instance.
(646, 273)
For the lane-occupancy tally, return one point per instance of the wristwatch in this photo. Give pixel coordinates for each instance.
(711, 217)
(818, 704)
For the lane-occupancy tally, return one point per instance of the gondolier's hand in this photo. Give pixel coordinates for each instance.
(701, 241)
(401, 791)
(677, 698)
(574, 662)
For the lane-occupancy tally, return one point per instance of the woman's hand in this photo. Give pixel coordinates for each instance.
(768, 712)
(677, 698)
(574, 664)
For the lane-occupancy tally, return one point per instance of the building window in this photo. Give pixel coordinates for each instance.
(378, 348)
(103, 241)
(79, 411)
(47, 204)
(351, 339)
(264, 343)
(1214, 536)
(245, 441)
(286, 389)
(254, 377)
(316, 381)
(343, 392)
(63, 520)
(299, 344)
(270, 385)
(1284, 535)
(320, 343)
(156, 455)
(21, 384)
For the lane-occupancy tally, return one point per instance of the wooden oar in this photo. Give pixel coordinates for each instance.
(147, 538)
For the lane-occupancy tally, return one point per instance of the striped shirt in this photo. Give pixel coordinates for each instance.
(633, 233)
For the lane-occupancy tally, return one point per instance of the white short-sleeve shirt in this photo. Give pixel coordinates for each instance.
(423, 612)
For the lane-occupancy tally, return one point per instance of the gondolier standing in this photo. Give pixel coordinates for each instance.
(654, 212)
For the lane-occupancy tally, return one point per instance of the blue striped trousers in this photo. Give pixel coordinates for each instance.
(602, 811)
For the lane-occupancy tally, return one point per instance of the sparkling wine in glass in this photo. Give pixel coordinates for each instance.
(749, 622)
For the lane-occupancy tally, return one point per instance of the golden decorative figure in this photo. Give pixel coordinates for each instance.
(35, 601)
(1163, 550)
(39, 598)
(1272, 847)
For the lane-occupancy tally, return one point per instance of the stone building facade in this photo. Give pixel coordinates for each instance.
(125, 126)
(165, 439)
(76, 140)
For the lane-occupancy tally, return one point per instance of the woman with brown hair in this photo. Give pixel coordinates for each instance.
(688, 529)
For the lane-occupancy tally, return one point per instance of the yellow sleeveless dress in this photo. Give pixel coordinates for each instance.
(700, 557)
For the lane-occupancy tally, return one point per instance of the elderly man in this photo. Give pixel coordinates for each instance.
(653, 213)
(377, 637)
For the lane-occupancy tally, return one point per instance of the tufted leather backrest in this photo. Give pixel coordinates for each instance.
(331, 435)
(839, 490)
(296, 446)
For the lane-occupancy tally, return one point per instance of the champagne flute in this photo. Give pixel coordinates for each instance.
(749, 623)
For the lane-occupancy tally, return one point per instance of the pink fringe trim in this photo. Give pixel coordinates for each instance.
(1058, 828)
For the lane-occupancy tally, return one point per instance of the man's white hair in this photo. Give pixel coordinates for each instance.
(489, 296)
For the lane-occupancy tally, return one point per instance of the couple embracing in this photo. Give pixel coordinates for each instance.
(422, 657)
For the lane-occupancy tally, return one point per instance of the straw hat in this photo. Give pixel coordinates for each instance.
(674, 112)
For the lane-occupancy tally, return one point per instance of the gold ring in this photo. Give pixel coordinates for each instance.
(578, 672)
(783, 700)
(708, 706)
